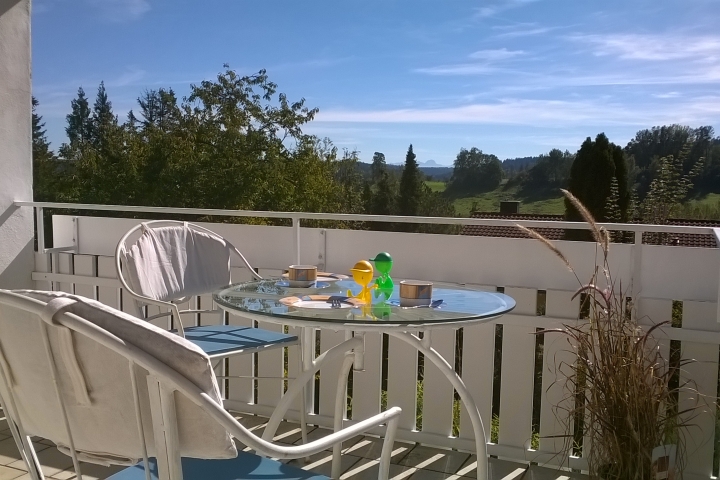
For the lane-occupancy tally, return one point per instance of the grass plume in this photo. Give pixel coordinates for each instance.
(547, 243)
(618, 393)
(586, 215)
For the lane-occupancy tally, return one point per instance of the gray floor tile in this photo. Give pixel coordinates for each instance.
(500, 469)
(7, 473)
(90, 471)
(367, 469)
(51, 459)
(322, 463)
(10, 454)
(429, 458)
(433, 475)
(545, 473)
(369, 447)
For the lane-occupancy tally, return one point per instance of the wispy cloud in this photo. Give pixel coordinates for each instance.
(549, 113)
(458, 69)
(667, 95)
(523, 29)
(495, 55)
(131, 77)
(526, 33)
(121, 10)
(493, 9)
(656, 47)
(486, 62)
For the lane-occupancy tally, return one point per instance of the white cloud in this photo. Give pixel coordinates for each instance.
(656, 47)
(498, 7)
(495, 55)
(487, 61)
(667, 95)
(546, 113)
(130, 77)
(458, 69)
(525, 32)
(121, 10)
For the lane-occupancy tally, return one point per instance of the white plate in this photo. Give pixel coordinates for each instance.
(317, 302)
(318, 305)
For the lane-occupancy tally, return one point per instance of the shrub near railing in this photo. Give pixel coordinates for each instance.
(619, 388)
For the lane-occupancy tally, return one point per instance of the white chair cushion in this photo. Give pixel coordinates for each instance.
(170, 263)
(103, 421)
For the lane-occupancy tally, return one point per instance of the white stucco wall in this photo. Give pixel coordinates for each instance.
(16, 224)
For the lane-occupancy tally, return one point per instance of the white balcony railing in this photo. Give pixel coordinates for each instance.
(655, 276)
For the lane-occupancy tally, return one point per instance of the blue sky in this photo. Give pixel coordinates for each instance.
(511, 77)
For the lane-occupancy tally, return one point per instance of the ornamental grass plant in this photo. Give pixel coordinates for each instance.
(619, 402)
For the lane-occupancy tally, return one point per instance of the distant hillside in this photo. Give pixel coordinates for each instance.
(432, 172)
(514, 165)
(437, 173)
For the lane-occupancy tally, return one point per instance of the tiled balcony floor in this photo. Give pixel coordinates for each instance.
(360, 459)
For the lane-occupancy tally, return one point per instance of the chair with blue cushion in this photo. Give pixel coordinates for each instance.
(172, 261)
(111, 389)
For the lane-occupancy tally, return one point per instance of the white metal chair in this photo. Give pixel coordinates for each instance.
(172, 261)
(109, 388)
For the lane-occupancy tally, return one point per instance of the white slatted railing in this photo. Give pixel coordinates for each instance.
(521, 267)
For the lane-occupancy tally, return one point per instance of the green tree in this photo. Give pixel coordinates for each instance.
(158, 108)
(669, 187)
(650, 145)
(79, 124)
(475, 172)
(551, 170)
(45, 167)
(384, 197)
(591, 176)
(411, 186)
(377, 167)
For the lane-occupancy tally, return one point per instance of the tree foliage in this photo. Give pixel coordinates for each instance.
(595, 166)
(45, 167)
(669, 187)
(475, 172)
(650, 145)
(551, 170)
(411, 186)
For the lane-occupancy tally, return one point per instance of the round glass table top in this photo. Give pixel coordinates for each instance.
(453, 303)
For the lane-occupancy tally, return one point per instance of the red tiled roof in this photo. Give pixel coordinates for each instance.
(679, 239)
(511, 231)
(684, 239)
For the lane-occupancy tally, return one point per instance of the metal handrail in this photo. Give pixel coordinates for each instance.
(296, 216)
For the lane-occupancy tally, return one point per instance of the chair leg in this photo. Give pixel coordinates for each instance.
(296, 387)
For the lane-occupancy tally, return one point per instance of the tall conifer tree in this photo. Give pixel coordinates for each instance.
(79, 123)
(591, 176)
(411, 186)
(44, 161)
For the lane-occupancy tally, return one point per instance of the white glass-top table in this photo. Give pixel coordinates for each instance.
(461, 306)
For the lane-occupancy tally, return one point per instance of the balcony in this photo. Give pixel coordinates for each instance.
(508, 372)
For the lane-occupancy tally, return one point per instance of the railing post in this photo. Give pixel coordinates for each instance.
(40, 228)
(637, 265)
(296, 228)
(716, 232)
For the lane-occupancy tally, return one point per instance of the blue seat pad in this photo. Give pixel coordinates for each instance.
(245, 466)
(226, 339)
